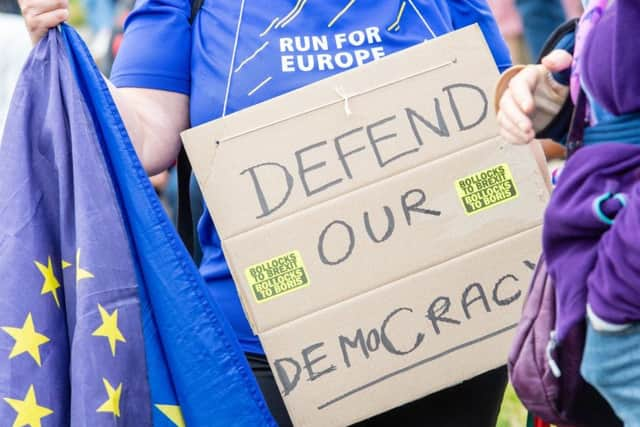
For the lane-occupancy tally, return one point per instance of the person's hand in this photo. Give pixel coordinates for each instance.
(41, 15)
(532, 92)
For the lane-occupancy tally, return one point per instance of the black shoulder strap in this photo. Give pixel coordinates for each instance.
(195, 7)
(561, 122)
(184, 218)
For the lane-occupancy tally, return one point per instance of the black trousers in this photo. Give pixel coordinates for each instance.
(473, 403)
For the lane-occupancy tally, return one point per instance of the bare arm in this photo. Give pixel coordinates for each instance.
(153, 118)
(518, 104)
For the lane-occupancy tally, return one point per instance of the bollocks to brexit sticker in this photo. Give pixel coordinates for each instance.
(277, 276)
(486, 189)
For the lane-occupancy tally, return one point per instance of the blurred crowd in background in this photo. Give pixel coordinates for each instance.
(525, 25)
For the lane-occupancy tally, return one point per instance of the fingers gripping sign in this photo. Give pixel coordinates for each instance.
(528, 97)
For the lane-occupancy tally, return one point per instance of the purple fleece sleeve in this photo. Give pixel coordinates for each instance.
(614, 283)
(582, 250)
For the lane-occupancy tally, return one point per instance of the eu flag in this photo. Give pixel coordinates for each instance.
(104, 319)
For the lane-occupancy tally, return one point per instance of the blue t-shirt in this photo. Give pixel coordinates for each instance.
(238, 53)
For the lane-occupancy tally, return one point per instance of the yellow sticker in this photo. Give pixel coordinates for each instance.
(277, 276)
(486, 189)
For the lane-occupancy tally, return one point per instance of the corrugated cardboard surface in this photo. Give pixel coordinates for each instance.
(360, 384)
(273, 131)
(372, 194)
(430, 238)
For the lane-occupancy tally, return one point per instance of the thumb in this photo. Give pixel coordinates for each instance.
(557, 60)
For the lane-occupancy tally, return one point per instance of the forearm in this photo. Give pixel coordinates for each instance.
(154, 120)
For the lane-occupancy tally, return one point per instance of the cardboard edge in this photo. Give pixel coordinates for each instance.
(538, 153)
(278, 108)
(263, 114)
(475, 373)
(205, 159)
(242, 295)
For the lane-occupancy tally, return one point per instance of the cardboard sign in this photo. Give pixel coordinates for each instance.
(380, 233)
(415, 336)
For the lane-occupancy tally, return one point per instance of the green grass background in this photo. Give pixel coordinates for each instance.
(76, 13)
(512, 413)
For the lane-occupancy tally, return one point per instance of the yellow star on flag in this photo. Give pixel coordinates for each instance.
(113, 401)
(29, 412)
(27, 340)
(66, 264)
(50, 284)
(80, 272)
(174, 413)
(109, 328)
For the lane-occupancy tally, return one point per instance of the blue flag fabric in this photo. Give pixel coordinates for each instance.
(104, 319)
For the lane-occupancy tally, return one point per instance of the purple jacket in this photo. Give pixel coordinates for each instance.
(590, 260)
(611, 59)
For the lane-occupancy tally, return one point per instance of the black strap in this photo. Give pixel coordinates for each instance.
(558, 34)
(184, 215)
(562, 121)
(579, 120)
(195, 7)
(184, 218)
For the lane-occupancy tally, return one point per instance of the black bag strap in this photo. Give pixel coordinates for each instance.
(184, 215)
(579, 121)
(184, 218)
(562, 121)
(195, 8)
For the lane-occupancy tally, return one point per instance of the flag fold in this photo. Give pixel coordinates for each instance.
(104, 318)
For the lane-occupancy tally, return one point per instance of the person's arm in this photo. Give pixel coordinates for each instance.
(518, 84)
(154, 119)
(152, 96)
(527, 97)
(532, 101)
